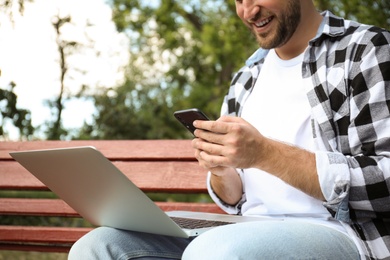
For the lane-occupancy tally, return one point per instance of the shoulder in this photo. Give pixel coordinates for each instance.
(343, 39)
(337, 29)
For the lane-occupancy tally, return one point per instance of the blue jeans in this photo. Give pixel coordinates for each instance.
(254, 240)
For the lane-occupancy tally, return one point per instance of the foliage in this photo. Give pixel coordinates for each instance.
(364, 11)
(183, 54)
(67, 49)
(69, 69)
(8, 6)
(20, 118)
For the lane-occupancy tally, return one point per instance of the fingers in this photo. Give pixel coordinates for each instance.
(208, 154)
(210, 161)
(212, 131)
(210, 126)
(209, 137)
(210, 148)
(221, 126)
(227, 142)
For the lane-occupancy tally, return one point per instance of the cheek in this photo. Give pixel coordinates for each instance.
(240, 12)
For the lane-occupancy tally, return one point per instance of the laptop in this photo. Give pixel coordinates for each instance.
(94, 187)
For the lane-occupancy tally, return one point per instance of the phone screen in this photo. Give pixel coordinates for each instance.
(188, 116)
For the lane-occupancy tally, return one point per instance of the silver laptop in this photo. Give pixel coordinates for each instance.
(85, 179)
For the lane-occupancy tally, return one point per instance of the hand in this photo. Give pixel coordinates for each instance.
(233, 142)
(227, 142)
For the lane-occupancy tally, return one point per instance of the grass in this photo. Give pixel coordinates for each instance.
(18, 255)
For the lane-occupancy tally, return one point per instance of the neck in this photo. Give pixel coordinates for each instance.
(306, 30)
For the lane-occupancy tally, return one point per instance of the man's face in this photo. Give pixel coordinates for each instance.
(273, 22)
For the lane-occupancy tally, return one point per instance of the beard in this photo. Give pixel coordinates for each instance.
(285, 27)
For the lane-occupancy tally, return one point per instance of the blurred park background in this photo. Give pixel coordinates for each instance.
(118, 69)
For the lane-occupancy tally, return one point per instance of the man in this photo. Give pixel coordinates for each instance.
(304, 137)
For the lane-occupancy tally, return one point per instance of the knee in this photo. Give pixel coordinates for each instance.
(92, 245)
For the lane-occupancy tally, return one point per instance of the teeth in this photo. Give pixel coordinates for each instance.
(264, 22)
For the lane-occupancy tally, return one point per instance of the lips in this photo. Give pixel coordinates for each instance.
(264, 22)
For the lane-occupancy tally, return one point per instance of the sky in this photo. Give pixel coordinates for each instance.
(29, 56)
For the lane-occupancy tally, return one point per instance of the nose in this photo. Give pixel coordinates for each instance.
(249, 10)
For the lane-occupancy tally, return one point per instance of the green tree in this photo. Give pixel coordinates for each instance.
(55, 128)
(364, 11)
(184, 54)
(10, 113)
(20, 118)
(70, 46)
(7, 6)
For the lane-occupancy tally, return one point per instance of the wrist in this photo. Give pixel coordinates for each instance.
(217, 172)
(266, 157)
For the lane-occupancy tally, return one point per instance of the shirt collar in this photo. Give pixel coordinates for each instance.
(331, 25)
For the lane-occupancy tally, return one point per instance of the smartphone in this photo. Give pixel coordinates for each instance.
(188, 116)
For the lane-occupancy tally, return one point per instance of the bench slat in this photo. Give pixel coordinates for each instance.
(36, 207)
(116, 150)
(173, 177)
(57, 207)
(29, 234)
(159, 166)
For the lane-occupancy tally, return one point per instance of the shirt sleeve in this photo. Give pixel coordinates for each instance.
(230, 209)
(355, 176)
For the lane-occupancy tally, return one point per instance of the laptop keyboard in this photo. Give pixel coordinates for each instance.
(190, 223)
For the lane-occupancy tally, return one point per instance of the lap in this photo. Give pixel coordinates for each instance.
(272, 240)
(254, 240)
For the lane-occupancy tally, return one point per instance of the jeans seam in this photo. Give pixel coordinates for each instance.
(145, 253)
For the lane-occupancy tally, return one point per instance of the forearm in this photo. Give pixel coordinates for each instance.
(291, 164)
(233, 143)
(226, 184)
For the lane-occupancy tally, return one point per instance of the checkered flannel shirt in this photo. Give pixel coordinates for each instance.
(346, 73)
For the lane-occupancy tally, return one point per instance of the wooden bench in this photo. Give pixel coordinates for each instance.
(156, 166)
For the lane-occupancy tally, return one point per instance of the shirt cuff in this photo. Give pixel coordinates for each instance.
(334, 178)
(234, 210)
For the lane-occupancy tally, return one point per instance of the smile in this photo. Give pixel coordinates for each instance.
(264, 22)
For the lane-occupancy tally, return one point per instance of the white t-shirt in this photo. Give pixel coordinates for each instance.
(278, 107)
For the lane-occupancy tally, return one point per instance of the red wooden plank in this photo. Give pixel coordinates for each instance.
(36, 207)
(15, 176)
(173, 177)
(51, 235)
(119, 149)
(55, 207)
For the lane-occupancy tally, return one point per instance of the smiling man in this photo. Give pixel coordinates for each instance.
(303, 139)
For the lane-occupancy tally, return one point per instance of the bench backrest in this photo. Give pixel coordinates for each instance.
(155, 166)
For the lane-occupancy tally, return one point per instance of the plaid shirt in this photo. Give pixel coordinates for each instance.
(346, 72)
